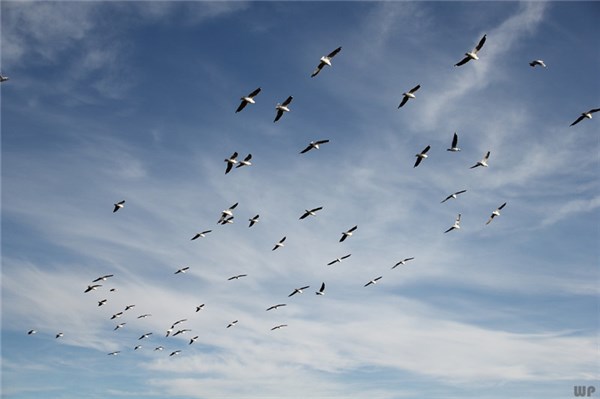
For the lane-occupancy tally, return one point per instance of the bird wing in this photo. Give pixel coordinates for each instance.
(316, 209)
(455, 140)
(404, 100)
(352, 229)
(502, 206)
(414, 89)
(480, 44)
(334, 52)
(304, 215)
(346, 256)
(321, 141)
(317, 70)
(425, 150)
(287, 101)
(487, 156)
(254, 93)
(577, 120)
(322, 287)
(591, 111)
(241, 106)
(228, 168)
(417, 162)
(236, 204)
(460, 192)
(462, 62)
(279, 113)
(308, 148)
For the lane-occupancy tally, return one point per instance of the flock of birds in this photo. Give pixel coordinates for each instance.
(227, 215)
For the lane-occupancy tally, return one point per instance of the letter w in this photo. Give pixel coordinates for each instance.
(579, 390)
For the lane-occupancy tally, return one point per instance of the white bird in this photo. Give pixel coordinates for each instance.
(102, 302)
(453, 196)
(338, 260)
(115, 353)
(143, 316)
(232, 160)
(137, 347)
(348, 233)
(483, 162)
(276, 306)
(233, 323)
(298, 290)
(228, 220)
(159, 348)
(121, 325)
(245, 162)
(177, 352)
(116, 315)
(473, 54)
(227, 213)
(199, 308)
(278, 327)
(321, 290)
(314, 145)
(182, 270)
(496, 213)
(92, 287)
(253, 220)
(3, 78)
(456, 224)
(249, 99)
(129, 307)
(311, 212)
(279, 244)
(283, 107)
(103, 278)
(178, 322)
(237, 277)
(31, 332)
(402, 262)
(118, 205)
(584, 115)
(408, 95)
(534, 63)
(183, 331)
(193, 339)
(454, 146)
(59, 335)
(325, 60)
(374, 281)
(420, 156)
(201, 234)
(145, 336)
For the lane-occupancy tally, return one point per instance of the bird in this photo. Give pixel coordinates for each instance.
(321, 290)
(338, 260)
(585, 115)
(137, 347)
(402, 262)
(121, 325)
(473, 54)
(116, 315)
(102, 278)
(483, 162)
(102, 302)
(496, 213)
(146, 335)
(178, 322)
(314, 145)
(193, 339)
(249, 99)
(456, 224)
(232, 160)
(454, 146)
(283, 107)
(374, 281)
(298, 290)
(115, 353)
(159, 348)
(183, 331)
(245, 162)
(348, 233)
(119, 205)
(227, 213)
(408, 95)
(534, 63)
(3, 78)
(31, 332)
(201, 234)
(182, 270)
(253, 220)
(311, 212)
(422, 155)
(278, 327)
(453, 196)
(276, 306)
(225, 221)
(279, 244)
(236, 277)
(129, 307)
(143, 316)
(175, 353)
(59, 335)
(325, 60)
(199, 308)
(233, 323)
(92, 287)
(113, 290)
(169, 331)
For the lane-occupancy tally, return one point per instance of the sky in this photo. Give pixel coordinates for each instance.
(135, 101)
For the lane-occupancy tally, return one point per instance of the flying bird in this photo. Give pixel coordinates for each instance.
(483, 162)
(236, 277)
(193, 339)
(584, 115)
(233, 323)
(129, 307)
(321, 290)
(116, 315)
(245, 162)
(225, 221)
(118, 205)
(175, 353)
(92, 287)
(227, 213)
(278, 327)
(199, 308)
(183, 331)
(311, 212)
(178, 322)
(145, 336)
(201, 234)
(473, 54)
(456, 224)
(249, 99)
(402, 262)
(281, 108)
(182, 270)
(121, 325)
(279, 244)
(454, 146)
(253, 220)
(276, 306)
(31, 332)
(422, 155)
(314, 145)
(374, 281)
(408, 95)
(137, 347)
(535, 63)
(102, 302)
(115, 353)
(59, 335)
(159, 348)
(338, 260)
(348, 233)
(453, 196)
(325, 60)
(103, 278)
(496, 213)
(143, 316)
(3, 78)
(298, 290)
(232, 160)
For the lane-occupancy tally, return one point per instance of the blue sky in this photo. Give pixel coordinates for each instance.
(135, 101)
